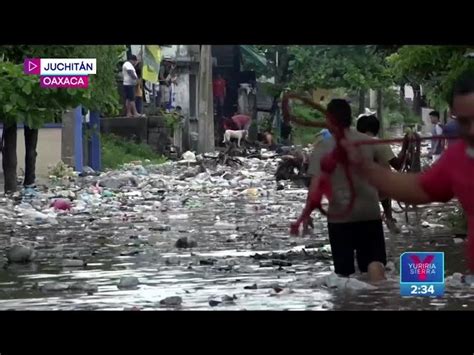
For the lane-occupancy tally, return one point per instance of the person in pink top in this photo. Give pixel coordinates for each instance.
(451, 176)
(243, 122)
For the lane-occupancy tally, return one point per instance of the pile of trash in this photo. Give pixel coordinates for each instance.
(342, 283)
(157, 195)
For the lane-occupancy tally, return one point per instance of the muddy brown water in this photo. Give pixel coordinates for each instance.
(222, 264)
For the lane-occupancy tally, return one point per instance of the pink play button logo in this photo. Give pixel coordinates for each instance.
(32, 66)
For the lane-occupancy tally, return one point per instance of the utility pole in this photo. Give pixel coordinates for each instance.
(379, 113)
(206, 105)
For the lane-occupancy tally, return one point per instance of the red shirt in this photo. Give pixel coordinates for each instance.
(241, 120)
(218, 87)
(453, 176)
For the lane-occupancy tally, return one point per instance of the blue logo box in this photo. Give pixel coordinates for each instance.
(422, 274)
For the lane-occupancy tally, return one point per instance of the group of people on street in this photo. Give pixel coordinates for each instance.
(450, 176)
(134, 86)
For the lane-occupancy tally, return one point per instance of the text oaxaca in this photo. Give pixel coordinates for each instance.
(72, 81)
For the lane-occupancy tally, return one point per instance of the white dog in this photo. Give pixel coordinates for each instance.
(239, 135)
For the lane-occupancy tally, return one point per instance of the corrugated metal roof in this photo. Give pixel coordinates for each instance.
(250, 54)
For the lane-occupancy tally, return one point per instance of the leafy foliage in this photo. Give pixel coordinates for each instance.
(350, 67)
(434, 67)
(26, 102)
(305, 135)
(363, 67)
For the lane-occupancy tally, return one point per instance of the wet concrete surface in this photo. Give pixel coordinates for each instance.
(245, 258)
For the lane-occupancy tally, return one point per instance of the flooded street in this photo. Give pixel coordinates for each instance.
(242, 257)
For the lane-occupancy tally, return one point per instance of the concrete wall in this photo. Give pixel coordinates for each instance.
(150, 130)
(49, 150)
(182, 92)
(129, 128)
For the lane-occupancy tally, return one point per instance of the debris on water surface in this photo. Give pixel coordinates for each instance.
(232, 238)
(171, 301)
(178, 216)
(281, 263)
(134, 308)
(130, 253)
(88, 171)
(128, 282)
(343, 283)
(61, 204)
(161, 228)
(225, 226)
(189, 157)
(83, 286)
(185, 242)
(115, 183)
(226, 299)
(275, 262)
(20, 254)
(73, 263)
(207, 261)
(266, 263)
(468, 280)
(54, 287)
(281, 292)
(390, 266)
(454, 280)
(172, 261)
(224, 268)
(214, 303)
(458, 240)
(249, 231)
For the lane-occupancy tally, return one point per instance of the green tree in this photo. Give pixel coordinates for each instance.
(434, 67)
(278, 59)
(351, 67)
(355, 68)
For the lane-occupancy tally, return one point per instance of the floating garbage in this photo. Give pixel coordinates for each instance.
(73, 263)
(186, 242)
(128, 282)
(33, 216)
(84, 286)
(171, 301)
(454, 280)
(189, 156)
(220, 225)
(61, 204)
(342, 283)
(214, 225)
(20, 254)
(54, 287)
